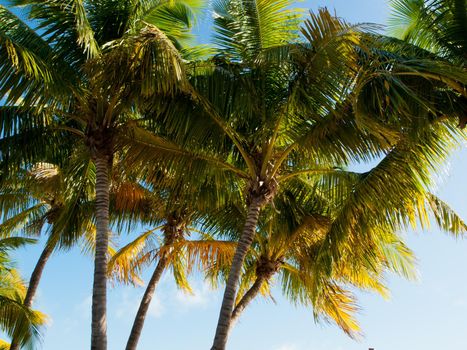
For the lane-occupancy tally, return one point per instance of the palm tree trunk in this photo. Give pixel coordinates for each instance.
(248, 234)
(99, 292)
(144, 305)
(247, 298)
(36, 275)
(33, 285)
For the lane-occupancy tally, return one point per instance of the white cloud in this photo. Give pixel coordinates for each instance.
(287, 347)
(460, 302)
(40, 304)
(81, 311)
(156, 309)
(129, 303)
(83, 308)
(200, 297)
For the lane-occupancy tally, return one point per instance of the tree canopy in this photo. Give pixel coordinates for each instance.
(237, 157)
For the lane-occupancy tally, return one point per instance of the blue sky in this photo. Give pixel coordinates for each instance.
(428, 314)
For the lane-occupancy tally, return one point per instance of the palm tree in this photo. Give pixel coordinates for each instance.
(288, 256)
(17, 320)
(91, 65)
(174, 213)
(289, 240)
(40, 196)
(56, 198)
(269, 109)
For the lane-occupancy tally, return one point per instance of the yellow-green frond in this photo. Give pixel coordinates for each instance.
(126, 265)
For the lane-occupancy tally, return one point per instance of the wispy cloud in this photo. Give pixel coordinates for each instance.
(83, 308)
(201, 296)
(287, 347)
(81, 312)
(156, 308)
(460, 302)
(129, 303)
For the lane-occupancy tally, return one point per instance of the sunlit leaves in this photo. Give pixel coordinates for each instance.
(16, 319)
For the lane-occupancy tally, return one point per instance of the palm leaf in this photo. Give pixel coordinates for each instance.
(126, 265)
(438, 25)
(446, 218)
(245, 27)
(202, 254)
(20, 322)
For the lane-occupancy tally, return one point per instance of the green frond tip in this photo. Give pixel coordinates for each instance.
(245, 28)
(84, 29)
(446, 218)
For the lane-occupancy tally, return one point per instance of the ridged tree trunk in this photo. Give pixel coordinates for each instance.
(247, 298)
(144, 305)
(99, 292)
(36, 275)
(172, 233)
(248, 234)
(34, 284)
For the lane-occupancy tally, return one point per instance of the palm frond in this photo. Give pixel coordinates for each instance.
(25, 58)
(22, 220)
(403, 178)
(20, 322)
(446, 218)
(139, 142)
(437, 25)
(339, 305)
(202, 254)
(245, 27)
(66, 27)
(126, 265)
(174, 18)
(138, 66)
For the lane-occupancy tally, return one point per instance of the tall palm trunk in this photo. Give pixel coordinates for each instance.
(33, 285)
(248, 234)
(248, 298)
(99, 292)
(144, 305)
